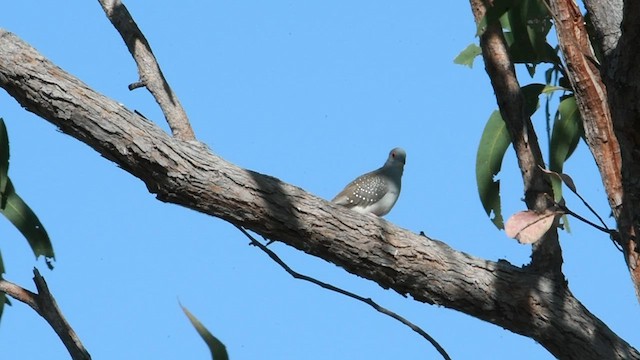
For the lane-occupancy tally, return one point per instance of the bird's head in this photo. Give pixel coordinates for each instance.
(397, 158)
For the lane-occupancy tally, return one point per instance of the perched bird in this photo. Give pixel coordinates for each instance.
(375, 192)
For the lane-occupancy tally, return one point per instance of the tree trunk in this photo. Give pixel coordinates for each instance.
(608, 98)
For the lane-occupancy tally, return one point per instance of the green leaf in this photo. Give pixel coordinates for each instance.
(530, 23)
(493, 144)
(1, 266)
(565, 82)
(531, 95)
(26, 221)
(467, 55)
(3, 299)
(217, 348)
(521, 50)
(566, 133)
(4, 161)
(549, 89)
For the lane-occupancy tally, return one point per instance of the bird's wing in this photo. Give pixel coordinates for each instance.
(357, 194)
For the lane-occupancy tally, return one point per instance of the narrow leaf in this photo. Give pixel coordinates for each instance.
(26, 221)
(569, 182)
(1, 266)
(467, 55)
(4, 160)
(548, 89)
(3, 299)
(521, 50)
(564, 177)
(217, 348)
(531, 95)
(566, 133)
(493, 144)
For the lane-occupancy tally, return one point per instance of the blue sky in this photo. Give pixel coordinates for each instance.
(314, 93)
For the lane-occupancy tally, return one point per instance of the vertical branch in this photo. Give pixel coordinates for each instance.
(547, 255)
(591, 95)
(150, 74)
(593, 101)
(617, 29)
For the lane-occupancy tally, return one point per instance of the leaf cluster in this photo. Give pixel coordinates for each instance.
(526, 25)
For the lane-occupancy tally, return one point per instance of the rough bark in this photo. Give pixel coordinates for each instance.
(46, 306)
(605, 16)
(607, 97)
(188, 174)
(621, 74)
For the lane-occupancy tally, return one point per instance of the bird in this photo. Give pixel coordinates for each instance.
(377, 191)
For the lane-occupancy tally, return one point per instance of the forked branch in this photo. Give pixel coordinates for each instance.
(150, 74)
(45, 305)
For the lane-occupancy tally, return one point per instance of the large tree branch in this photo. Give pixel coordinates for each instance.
(184, 173)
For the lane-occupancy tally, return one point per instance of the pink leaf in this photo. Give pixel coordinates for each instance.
(529, 226)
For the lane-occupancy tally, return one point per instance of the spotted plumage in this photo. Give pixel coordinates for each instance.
(375, 192)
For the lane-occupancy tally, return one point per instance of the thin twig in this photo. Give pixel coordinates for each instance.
(150, 74)
(606, 228)
(568, 181)
(613, 234)
(324, 285)
(19, 293)
(45, 305)
(569, 212)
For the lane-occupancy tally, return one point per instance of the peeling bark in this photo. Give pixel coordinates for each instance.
(621, 74)
(608, 101)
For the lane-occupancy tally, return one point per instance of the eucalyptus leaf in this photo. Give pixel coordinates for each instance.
(493, 145)
(4, 160)
(566, 133)
(217, 348)
(27, 222)
(531, 95)
(468, 55)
